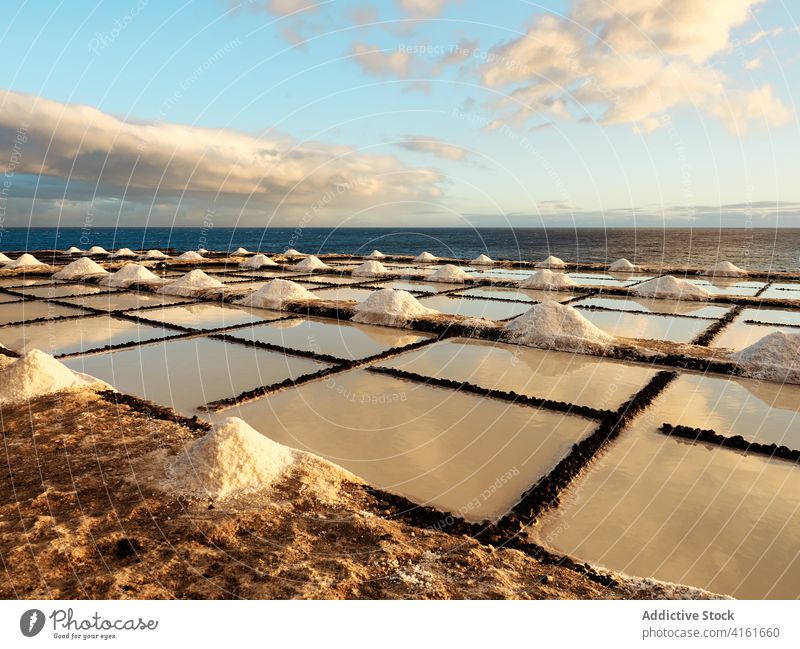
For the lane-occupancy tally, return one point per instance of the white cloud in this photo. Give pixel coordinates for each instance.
(629, 61)
(382, 63)
(423, 8)
(434, 146)
(81, 144)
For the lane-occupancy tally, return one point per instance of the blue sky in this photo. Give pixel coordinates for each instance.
(402, 112)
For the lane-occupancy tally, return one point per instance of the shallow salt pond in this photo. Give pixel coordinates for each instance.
(472, 308)
(682, 512)
(471, 456)
(346, 340)
(559, 376)
(607, 279)
(5, 297)
(185, 374)
(783, 291)
(759, 411)
(207, 316)
(720, 286)
(645, 325)
(74, 336)
(33, 309)
(62, 290)
(415, 287)
(8, 282)
(772, 316)
(125, 300)
(343, 280)
(739, 335)
(648, 305)
(520, 294)
(344, 293)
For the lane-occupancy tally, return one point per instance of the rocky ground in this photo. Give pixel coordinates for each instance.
(86, 512)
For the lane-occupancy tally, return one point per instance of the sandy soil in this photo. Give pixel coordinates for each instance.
(86, 513)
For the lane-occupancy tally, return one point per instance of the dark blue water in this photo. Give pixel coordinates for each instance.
(764, 249)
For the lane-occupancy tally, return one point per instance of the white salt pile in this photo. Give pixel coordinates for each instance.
(24, 261)
(375, 254)
(449, 273)
(97, 250)
(241, 251)
(556, 326)
(123, 252)
(72, 250)
(547, 280)
(671, 288)
(202, 251)
(190, 255)
(131, 274)
(257, 261)
(275, 293)
(80, 269)
(623, 266)
(482, 260)
(231, 460)
(776, 357)
(551, 262)
(291, 252)
(36, 374)
(392, 308)
(3, 258)
(425, 257)
(191, 283)
(370, 269)
(155, 254)
(311, 263)
(725, 269)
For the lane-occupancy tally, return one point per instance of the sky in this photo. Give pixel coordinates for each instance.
(297, 113)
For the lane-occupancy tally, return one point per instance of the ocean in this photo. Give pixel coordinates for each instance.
(761, 249)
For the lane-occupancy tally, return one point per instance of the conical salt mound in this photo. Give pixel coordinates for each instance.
(725, 269)
(482, 260)
(391, 308)
(311, 263)
(36, 374)
(449, 273)
(547, 280)
(555, 326)
(79, 269)
(24, 261)
(155, 254)
(551, 262)
(124, 252)
(623, 266)
(670, 288)
(72, 250)
(131, 274)
(425, 257)
(231, 460)
(192, 283)
(375, 254)
(370, 269)
(190, 255)
(776, 357)
(291, 252)
(241, 251)
(257, 261)
(275, 293)
(97, 250)
(4, 259)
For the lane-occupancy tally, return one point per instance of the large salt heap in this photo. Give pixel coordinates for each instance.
(257, 261)
(425, 258)
(482, 260)
(311, 263)
(229, 461)
(190, 255)
(551, 262)
(36, 374)
(547, 280)
(275, 293)
(392, 308)
(555, 326)
(131, 274)
(725, 269)
(123, 252)
(97, 250)
(4, 259)
(776, 357)
(671, 288)
(375, 254)
(80, 269)
(73, 250)
(24, 261)
(190, 284)
(623, 266)
(241, 251)
(449, 273)
(155, 254)
(370, 269)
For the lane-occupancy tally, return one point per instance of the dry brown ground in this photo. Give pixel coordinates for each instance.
(84, 514)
